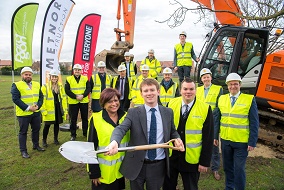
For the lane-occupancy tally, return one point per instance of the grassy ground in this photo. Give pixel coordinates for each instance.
(49, 170)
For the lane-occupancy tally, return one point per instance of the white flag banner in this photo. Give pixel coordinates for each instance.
(56, 17)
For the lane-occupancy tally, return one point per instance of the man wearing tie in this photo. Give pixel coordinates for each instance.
(194, 121)
(124, 85)
(237, 121)
(27, 96)
(148, 124)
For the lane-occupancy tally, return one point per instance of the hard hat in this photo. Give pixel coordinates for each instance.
(127, 54)
(131, 55)
(77, 66)
(101, 64)
(54, 73)
(144, 67)
(167, 70)
(121, 68)
(233, 76)
(183, 33)
(151, 51)
(205, 71)
(26, 69)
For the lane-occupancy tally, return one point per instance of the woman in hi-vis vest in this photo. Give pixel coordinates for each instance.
(54, 107)
(106, 175)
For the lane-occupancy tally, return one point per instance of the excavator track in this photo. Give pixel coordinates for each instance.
(271, 129)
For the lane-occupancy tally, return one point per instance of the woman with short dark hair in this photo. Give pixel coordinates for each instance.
(105, 175)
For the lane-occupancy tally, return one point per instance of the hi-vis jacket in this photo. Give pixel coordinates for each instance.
(154, 66)
(234, 123)
(184, 54)
(137, 99)
(96, 91)
(109, 165)
(166, 96)
(77, 88)
(28, 96)
(193, 127)
(211, 97)
(47, 109)
(131, 70)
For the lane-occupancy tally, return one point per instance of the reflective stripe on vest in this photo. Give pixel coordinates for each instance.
(109, 165)
(193, 127)
(234, 123)
(131, 70)
(184, 54)
(137, 99)
(77, 88)
(166, 96)
(28, 96)
(96, 91)
(154, 67)
(211, 97)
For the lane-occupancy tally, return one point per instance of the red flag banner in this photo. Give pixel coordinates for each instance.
(86, 41)
(56, 17)
(22, 28)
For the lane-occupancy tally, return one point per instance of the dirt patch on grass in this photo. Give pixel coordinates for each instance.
(263, 151)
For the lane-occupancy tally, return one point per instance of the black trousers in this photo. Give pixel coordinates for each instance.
(73, 111)
(24, 122)
(189, 179)
(46, 130)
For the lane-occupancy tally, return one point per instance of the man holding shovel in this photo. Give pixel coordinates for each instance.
(148, 124)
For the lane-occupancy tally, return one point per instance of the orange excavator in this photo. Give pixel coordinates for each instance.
(232, 48)
(239, 49)
(115, 56)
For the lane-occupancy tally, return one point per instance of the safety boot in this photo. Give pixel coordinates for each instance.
(44, 143)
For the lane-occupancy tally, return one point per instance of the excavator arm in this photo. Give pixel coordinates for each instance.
(115, 55)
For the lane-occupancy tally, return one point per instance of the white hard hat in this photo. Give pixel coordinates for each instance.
(151, 51)
(183, 33)
(121, 68)
(26, 69)
(167, 70)
(54, 73)
(205, 71)
(77, 66)
(131, 55)
(127, 54)
(144, 67)
(233, 76)
(101, 64)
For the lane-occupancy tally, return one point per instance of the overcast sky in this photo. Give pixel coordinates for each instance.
(148, 33)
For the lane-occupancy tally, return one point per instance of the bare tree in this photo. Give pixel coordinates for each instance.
(253, 13)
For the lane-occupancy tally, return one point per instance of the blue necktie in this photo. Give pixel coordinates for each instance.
(153, 134)
(185, 112)
(233, 101)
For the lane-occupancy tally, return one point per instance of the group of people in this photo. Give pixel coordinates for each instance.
(132, 111)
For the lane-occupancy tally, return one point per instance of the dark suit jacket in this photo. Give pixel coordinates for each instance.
(136, 122)
(125, 103)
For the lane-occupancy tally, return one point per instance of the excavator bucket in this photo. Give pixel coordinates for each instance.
(113, 57)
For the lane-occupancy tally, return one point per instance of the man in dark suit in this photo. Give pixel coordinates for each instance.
(124, 85)
(150, 166)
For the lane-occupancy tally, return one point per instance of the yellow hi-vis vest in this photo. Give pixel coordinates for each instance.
(234, 123)
(154, 66)
(77, 88)
(96, 91)
(184, 55)
(211, 97)
(129, 85)
(109, 165)
(47, 109)
(131, 70)
(28, 96)
(137, 99)
(193, 127)
(166, 96)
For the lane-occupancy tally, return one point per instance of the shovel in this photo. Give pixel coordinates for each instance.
(83, 152)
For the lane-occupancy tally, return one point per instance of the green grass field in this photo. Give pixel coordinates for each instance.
(49, 170)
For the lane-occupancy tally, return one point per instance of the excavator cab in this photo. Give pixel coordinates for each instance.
(240, 50)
